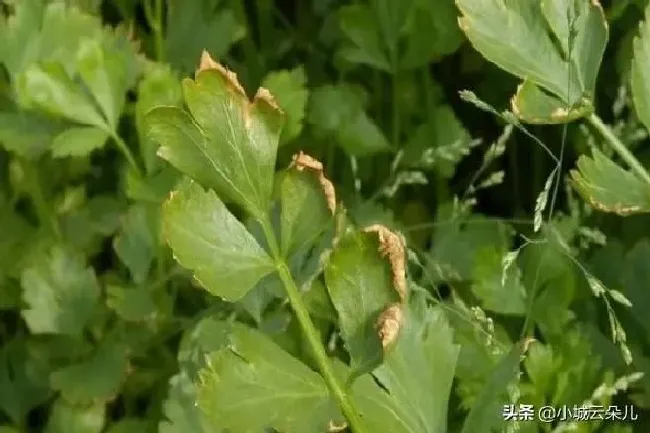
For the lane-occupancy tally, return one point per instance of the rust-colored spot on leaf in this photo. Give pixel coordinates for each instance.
(207, 63)
(389, 324)
(391, 245)
(303, 161)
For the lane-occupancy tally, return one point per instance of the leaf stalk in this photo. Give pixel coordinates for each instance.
(121, 144)
(335, 386)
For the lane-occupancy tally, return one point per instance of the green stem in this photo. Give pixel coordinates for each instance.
(619, 147)
(121, 144)
(45, 214)
(333, 383)
(396, 112)
(154, 16)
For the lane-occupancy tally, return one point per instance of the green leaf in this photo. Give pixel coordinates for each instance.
(360, 284)
(457, 241)
(360, 136)
(508, 298)
(291, 94)
(60, 292)
(208, 336)
(154, 188)
(430, 32)
(93, 380)
(481, 349)
(251, 384)
(63, 30)
(206, 238)
(634, 277)
(304, 213)
(190, 26)
(132, 303)
(102, 73)
(417, 376)
(23, 379)
(640, 73)
(338, 111)
(49, 88)
(159, 86)
(132, 425)
(439, 144)
(25, 133)
(363, 43)
(318, 301)
(555, 44)
(182, 413)
(533, 105)
(12, 242)
(486, 413)
(608, 187)
(78, 141)
(66, 418)
(392, 36)
(137, 240)
(17, 33)
(226, 143)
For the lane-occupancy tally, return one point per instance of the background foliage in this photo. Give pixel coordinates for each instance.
(103, 330)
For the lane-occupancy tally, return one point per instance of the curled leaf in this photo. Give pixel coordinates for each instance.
(391, 245)
(302, 161)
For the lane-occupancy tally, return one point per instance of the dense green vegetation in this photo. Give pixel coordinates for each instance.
(375, 216)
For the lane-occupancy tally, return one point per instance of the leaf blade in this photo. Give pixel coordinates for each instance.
(206, 238)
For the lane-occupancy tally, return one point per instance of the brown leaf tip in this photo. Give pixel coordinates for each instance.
(264, 95)
(302, 161)
(389, 324)
(208, 63)
(392, 245)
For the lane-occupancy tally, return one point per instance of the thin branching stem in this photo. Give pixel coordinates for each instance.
(45, 213)
(335, 386)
